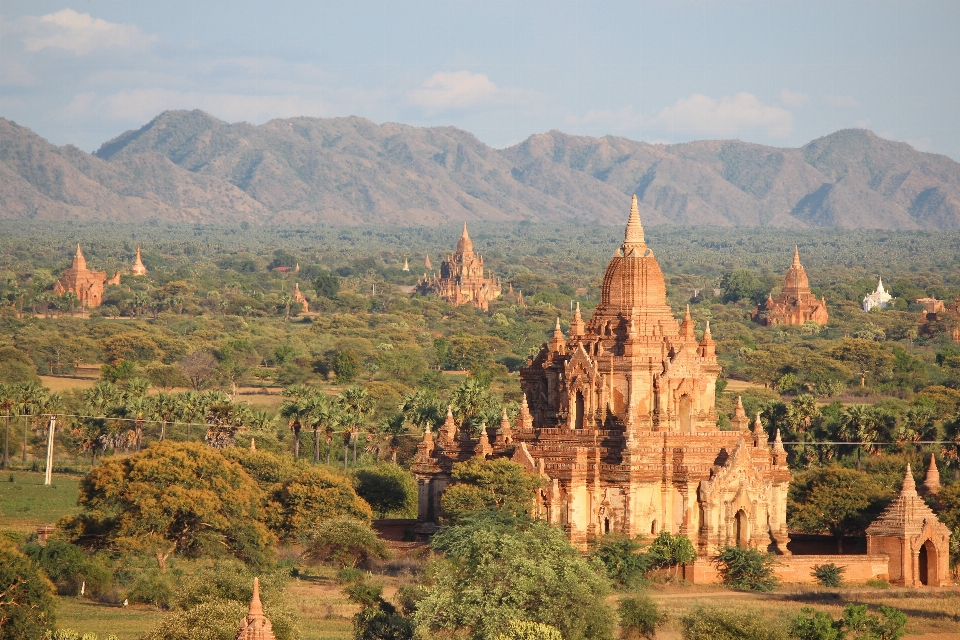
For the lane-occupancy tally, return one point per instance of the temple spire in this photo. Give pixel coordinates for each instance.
(931, 483)
(796, 256)
(909, 487)
(634, 234)
(256, 607)
(79, 262)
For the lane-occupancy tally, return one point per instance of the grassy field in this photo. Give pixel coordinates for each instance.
(127, 623)
(25, 503)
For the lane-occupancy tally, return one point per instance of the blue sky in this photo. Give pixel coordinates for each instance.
(779, 73)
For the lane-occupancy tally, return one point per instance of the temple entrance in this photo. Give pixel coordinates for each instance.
(686, 411)
(928, 564)
(742, 525)
(653, 528)
(578, 411)
(606, 525)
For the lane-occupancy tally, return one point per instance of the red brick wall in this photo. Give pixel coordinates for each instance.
(797, 569)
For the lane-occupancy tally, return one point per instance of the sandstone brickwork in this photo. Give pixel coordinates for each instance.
(620, 418)
(463, 278)
(796, 304)
(255, 626)
(86, 284)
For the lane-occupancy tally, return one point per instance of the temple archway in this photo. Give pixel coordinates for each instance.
(653, 528)
(742, 534)
(928, 564)
(578, 410)
(686, 414)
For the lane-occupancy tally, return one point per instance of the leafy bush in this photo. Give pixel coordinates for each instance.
(525, 630)
(746, 569)
(857, 623)
(377, 618)
(499, 485)
(344, 542)
(712, 623)
(670, 551)
(154, 587)
(70, 634)
(828, 575)
(639, 618)
(27, 601)
(622, 559)
(387, 487)
(878, 584)
(69, 567)
(311, 496)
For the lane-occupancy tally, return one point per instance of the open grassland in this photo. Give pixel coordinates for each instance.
(933, 613)
(26, 503)
(85, 616)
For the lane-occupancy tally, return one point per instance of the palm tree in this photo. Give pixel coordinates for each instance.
(30, 401)
(296, 410)
(163, 409)
(319, 409)
(137, 408)
(7, 397)
(357, 402)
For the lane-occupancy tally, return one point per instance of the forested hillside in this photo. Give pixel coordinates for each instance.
(190, 166)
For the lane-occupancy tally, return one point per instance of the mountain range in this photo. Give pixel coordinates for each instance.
(187, 166)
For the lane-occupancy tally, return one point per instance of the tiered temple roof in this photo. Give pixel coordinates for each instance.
(255, 626)
(463, 278)
(796, 304)
(86, 284)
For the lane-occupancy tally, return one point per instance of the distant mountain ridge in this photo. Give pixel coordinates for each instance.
(188, 166)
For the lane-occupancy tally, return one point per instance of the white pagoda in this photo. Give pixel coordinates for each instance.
(879, 298)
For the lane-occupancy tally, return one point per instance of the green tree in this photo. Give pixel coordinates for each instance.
(16, 367)
(172, 498)
(742, 284)
(377, 618)
(386, 488)
(622, 558)
(729, 623)
(670, 551)
(326, 285)
(639, 618)
(313, 494)
(496, 569)
(746, 569)
(344, 541)
(68, 567)
(839, 501)
(27, 602)
(499, 485)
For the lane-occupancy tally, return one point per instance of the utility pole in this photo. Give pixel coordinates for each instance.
(48, 479)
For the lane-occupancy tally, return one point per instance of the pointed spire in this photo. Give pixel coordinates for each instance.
(483, 448)
(796, 256)
(79, 262)
(931, 483)
(256, 607)
(138, 269)
(558, 341)
(909, 487)
(576, 325)
(524, 419)
(426, 262)
(406, 265)
(634, 233)
(253, 444)
(449, 429)
(708, 346)
(686, 327)
(759, 433)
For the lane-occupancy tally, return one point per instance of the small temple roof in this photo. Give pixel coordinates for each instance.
(255, 626)
(907, 514)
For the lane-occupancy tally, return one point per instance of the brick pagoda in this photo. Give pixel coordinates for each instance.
(795, 304)
(462, 278)
(86, 284)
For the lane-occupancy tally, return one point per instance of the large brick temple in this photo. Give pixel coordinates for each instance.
(796, 304)
(463, 278)
(620, 418)
(86, 284)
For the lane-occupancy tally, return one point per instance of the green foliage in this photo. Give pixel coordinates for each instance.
(829, 574)
(746, 569)
(377, 618)
(714, 623)
(311, 496)
(524, 630)
(639, 618)
(856, 623)
(154, 587)
(622, 559)
(344, 542)
(670, 551)
(70, 634)
(345, 366)
(172, 498)
(68, 567)
(16, 367)
(835, 500)
(497, 484)
(387, 488)
(496, 568)
(742, 284)
(326, 284)
(27, 602)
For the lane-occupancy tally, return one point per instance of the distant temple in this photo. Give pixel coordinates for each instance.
(299, 298)
(406, 265)
(878, 298)
(933, 311)
(795, 304)
(620, 419)
(86, 284)
(462, 278)
(255, 626)
(138, 269)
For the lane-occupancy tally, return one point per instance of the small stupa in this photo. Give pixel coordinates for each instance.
(138, 269)
(426, 263)
(406, 265)
(255, 626)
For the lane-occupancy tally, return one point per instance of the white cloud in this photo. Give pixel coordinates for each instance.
(624, 119)
(840, 101)
(448, 90)
(793, 99)
(700, 114)
(79, 33)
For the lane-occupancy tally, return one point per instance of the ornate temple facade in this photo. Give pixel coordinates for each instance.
(463, 279)
(795, 304)
(879, 298)
(86, 284)
(620, 419)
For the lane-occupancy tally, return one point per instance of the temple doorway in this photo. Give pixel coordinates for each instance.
(928, 564)
(742, 535)
(686, 411)
(578, 411)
